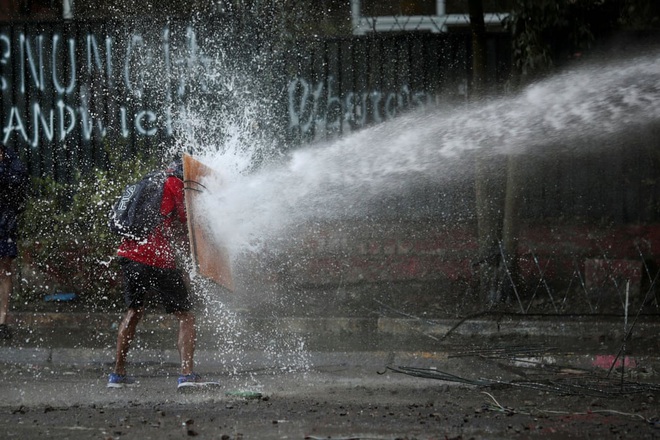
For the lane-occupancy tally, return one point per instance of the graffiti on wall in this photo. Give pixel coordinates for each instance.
(85, 85)
(53, 83)
(314, 106)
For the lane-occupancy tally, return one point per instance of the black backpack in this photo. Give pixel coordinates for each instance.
(137, 211)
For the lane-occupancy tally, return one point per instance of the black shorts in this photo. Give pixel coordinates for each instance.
(141, 279)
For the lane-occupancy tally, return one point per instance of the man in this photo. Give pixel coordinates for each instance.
(149, 265)
(13, 190)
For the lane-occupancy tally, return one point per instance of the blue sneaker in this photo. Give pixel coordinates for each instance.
(119, 380)
(194, 381)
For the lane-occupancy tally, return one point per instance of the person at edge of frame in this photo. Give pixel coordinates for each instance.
(13, 194)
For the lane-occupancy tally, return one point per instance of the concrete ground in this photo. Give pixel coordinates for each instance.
(332, 401)
(334, 378)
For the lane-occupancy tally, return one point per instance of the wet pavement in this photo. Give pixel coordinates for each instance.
(337, 400)
(336, 380)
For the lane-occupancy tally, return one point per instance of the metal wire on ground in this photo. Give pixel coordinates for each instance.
(594, 386)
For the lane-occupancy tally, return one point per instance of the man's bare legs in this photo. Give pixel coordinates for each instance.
(125, 336)
(186, 341)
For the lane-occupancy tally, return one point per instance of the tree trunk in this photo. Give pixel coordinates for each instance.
(495, 191)
(510, 229)
(478, 31)
(487, 197)
(490, 195)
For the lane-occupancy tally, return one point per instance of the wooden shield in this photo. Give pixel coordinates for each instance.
(211, 259)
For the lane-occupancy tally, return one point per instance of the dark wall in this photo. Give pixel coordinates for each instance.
(73, 92)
